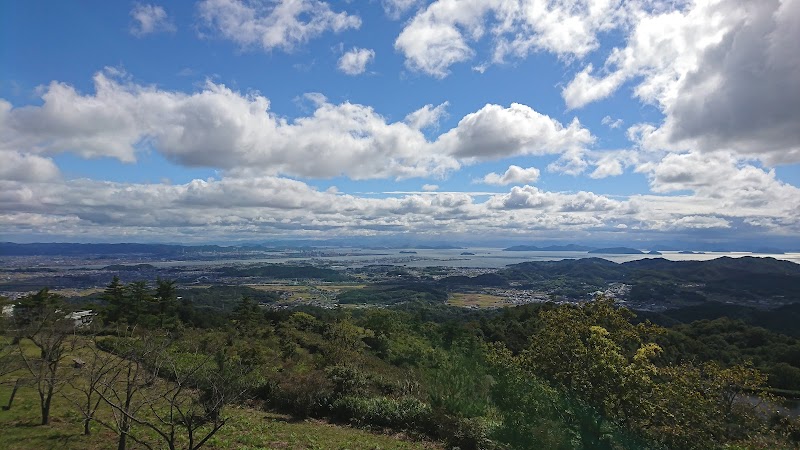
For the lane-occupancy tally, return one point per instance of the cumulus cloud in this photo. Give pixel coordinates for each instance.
(270, 25)
(573, 162)
(150, 19)
(612, 163)
(427, 116)
(25, 167)
(514, 175)
(496, 132)
(247, 207)
(221, 128)
(531, 197)
(354, 62)
(254, 207)
(445, 33)
(724, 184)
(725, 73)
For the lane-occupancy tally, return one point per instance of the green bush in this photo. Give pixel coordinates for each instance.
(405, 413)
(473, 433)
(302, 394)
(347, 380)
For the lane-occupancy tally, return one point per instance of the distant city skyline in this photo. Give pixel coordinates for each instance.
(232, 121)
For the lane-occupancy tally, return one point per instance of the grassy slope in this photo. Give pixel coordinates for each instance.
(248, 428)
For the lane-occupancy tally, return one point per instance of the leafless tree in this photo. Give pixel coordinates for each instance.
(121, 387)
(44, 321)
(181, 404)
(93, 379)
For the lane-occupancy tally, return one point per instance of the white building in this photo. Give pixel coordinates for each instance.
(82, 318)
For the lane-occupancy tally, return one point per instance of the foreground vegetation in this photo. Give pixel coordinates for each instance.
(156, 372)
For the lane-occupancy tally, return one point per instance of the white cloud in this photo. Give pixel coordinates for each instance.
(150, 19)
(255, 207)
(514, 175)
(396, 8)
(430, 187)
(572, 162)
(495, 132)
(725, 73)
(269, 25)
(585, 88)
(25, 167)
(427, 116)
(269, 206)
(610, 122)
(444, 33)
(354, 62)
(724, 185)
(220, 128)
(531, 197)
(698, 222)
(612, 163)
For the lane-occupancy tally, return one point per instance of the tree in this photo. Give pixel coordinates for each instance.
(120, 388)
(247, 314)
(167, 300)
(617, 393)
(43, 320)
(93, 381)
(159, 391)
(138, 299)
(700, 406)
(118, 306)
(114, 294)
(8, 360)
(533, 415)
(607, 385)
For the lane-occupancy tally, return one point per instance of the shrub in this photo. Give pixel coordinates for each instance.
(347, 380)
(405, 413)
(302, 394)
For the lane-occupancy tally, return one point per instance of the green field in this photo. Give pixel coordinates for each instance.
(476, 300)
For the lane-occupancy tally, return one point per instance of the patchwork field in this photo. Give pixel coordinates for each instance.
(297, 292)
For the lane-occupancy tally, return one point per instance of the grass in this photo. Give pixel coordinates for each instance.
(255, 430)
(465, 300)
(247, 428)
(77, 292)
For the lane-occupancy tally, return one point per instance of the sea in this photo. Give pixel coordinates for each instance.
(480, 257)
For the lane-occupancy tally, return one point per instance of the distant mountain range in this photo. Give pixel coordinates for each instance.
(153, 250)
(173, 250)
(69, 249)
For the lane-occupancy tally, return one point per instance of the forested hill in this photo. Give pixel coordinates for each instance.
(715, 269)
(746, 278)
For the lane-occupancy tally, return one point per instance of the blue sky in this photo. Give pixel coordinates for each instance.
(233, 120)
